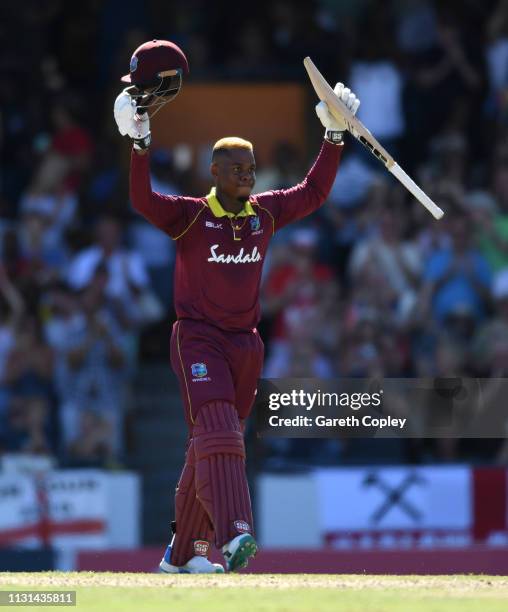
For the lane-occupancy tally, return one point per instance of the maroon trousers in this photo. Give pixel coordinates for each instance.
(218, 373)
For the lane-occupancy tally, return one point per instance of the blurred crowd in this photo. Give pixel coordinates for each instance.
(369, 286)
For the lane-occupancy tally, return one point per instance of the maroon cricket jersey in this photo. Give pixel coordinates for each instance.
(219, 257)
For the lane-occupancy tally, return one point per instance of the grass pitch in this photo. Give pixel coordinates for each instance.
(109, 592)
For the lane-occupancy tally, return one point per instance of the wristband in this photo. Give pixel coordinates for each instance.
(143, 143)
(334, 136)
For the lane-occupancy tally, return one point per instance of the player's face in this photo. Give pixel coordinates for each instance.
(235, 173)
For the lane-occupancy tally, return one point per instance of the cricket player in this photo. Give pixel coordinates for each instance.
(216, 352)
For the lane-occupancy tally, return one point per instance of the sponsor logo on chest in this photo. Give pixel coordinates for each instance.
(213, 225)
(255, 226)
(241, 257)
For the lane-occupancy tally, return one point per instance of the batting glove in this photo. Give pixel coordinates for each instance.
(335, 126)
(130, 123)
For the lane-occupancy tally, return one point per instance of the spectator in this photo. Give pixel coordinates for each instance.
(29, 427)
(43, 262)
(11, 313)
(360, 356)
(284, 171)
(491, 228)
(497, 58)
(71, 143)
(456, 278)
(48, 198)
(12, 308)
(304, 359)
(54, 188)
(491, 339)
(292, 295)
(127, 284)
(378, 82)
(416, 27)
(395, 261)
(92, 364)
(29, 363)
(93, 442)
(444, 83)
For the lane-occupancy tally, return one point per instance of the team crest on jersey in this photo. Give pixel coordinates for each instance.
(134, 63)
(199, 372)
(255, 224)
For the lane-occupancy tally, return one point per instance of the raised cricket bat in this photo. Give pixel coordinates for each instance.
(361, 133)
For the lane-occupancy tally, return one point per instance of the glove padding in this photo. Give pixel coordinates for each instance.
(130, 123)
(329, 121)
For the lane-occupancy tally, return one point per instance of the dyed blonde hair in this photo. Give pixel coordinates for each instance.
(231, 142)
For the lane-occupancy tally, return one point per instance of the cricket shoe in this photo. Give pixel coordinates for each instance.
(238, 551)
(196, 565)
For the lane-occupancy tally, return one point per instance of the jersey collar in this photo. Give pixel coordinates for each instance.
(218, 211)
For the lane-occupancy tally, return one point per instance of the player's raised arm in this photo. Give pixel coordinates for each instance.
(155, 78)
(287, 205)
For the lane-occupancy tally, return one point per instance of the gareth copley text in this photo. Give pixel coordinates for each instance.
(349, 421)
